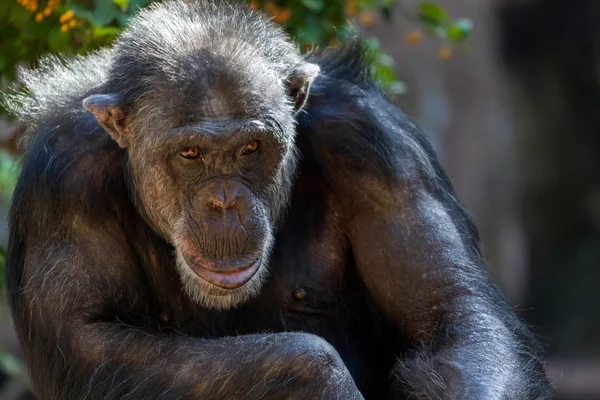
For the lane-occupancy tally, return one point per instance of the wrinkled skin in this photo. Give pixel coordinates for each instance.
(224, 219)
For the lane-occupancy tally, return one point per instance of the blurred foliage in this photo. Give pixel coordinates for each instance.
(2, 263)
(8, 178)
(8, 174)
(9, 364)
(13, 367)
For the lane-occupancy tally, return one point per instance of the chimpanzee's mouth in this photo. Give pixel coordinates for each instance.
(225, 278)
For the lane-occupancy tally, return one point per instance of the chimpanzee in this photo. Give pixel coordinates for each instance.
(205, 213)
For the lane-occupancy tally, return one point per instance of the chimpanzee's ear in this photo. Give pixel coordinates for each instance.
(110, 116)
(298, 83)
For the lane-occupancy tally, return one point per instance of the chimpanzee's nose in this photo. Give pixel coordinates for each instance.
(222, 203)
(223, 197)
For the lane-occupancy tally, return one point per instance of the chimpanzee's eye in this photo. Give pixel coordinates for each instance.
(190, 153)
(251, 147)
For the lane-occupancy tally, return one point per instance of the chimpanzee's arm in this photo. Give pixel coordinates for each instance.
(414, 261)
(78, 347)
(417, 252)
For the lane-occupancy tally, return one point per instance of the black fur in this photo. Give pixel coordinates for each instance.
(375, 263)
(363, 128)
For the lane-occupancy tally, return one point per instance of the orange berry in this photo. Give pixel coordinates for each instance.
(444, 53)
(66, 16)
(254, 5)
(47, 11)
(271, 8)
(282, 15)
(31, 5)
(64, 28)
(367, 18)
(72, 23)
(413, 37)
(39, 17)
(351, 8)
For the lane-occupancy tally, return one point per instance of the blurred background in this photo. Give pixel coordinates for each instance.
(508, 91)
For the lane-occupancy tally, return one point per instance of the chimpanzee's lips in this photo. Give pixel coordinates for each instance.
(226, 278)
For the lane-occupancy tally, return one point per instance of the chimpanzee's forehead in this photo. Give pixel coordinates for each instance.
(218, 86)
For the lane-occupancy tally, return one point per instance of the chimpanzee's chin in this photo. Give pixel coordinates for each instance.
(221, 290)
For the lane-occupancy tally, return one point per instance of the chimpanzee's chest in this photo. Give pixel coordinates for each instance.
(312, 270)
(313, 276)
(314, 286)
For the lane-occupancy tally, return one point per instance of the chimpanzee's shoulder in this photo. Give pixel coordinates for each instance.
(70, 168)
(349, 120)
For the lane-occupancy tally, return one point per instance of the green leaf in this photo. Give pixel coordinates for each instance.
(57, 40)
(386, 60)
(310, 31)
(135, 5)
(36, 30)
(121, 3)
(397, 88)
(123, 19)
(314, 5)
(81, 12)
(19, 16)
(459, 30)
(109, 31)
(366, 3)
(104, 13)
(432, 14)
(5, 8)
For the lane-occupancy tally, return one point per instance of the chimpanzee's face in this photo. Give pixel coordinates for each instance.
(215, 189)
(212, 157)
